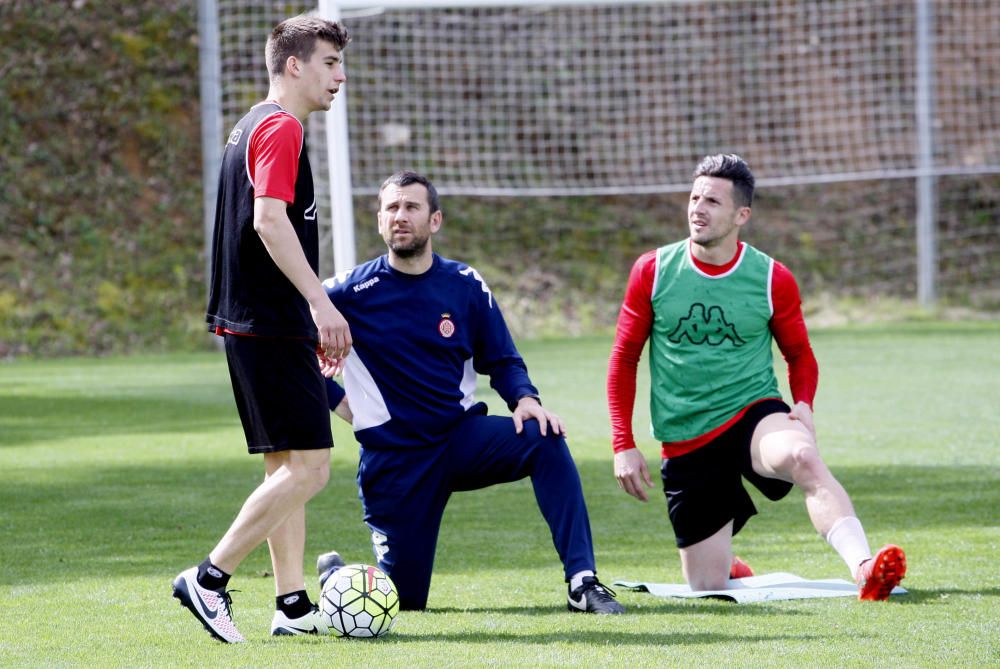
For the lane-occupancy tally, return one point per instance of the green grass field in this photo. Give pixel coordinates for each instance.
(118, 473)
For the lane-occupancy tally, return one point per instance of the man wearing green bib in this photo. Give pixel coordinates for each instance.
(710, 306)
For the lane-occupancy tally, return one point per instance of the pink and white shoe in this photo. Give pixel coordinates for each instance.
(212, 608)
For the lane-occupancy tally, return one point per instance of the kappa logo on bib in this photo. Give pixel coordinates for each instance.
(447, 326)
(701, 327)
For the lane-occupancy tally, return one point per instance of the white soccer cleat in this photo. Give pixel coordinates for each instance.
(310, 623)
(212, 608)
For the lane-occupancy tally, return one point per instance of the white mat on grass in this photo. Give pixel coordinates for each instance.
(763, 588)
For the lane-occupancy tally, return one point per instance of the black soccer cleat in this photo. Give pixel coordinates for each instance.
(593, 597)
(326, 564)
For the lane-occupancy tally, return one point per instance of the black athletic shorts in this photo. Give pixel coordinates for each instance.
(704, 488)
(280, 393)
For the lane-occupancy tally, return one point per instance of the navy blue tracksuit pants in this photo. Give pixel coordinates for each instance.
(404, 493)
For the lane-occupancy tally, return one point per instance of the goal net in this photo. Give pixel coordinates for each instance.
(596, 100)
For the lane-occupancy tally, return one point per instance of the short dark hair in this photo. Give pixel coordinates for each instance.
(729, 166)
(297, 37)
(407, 177)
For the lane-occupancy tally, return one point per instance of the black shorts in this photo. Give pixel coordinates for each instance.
(704, 488)
(280, 393)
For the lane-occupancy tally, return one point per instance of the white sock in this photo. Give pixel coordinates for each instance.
(577, 580)
(848, 538)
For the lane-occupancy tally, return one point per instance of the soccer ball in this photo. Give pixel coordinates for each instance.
(359, 601)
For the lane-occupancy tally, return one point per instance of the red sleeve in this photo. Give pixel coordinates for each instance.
(635, 321)
(789, 330)
(273, 156)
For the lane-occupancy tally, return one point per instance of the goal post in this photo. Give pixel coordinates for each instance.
(338, 160)
(578, 98)
(337, 135)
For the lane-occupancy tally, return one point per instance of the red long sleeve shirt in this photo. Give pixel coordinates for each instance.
(635, 323)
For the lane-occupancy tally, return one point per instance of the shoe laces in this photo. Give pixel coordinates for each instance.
(599, 591)
(227, 600)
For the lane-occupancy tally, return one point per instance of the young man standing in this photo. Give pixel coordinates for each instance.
(710, 305)
(268, 303)
(423, 327)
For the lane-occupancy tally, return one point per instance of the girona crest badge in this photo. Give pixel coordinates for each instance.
(447, 326)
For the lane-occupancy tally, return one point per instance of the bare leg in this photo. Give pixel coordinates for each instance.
(706, 563)
(784, 449)
(287, 542)
(280, 495)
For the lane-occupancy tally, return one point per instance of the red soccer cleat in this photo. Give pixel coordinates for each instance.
(739, 569)
(880, 574)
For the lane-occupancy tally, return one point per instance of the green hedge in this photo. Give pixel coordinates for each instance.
(102, 244)
(99, 133)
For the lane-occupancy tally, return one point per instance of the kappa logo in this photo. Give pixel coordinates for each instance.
(234, 136)
(710, 328)
(364, 285)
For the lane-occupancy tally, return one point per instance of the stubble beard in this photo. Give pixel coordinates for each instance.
(703, 236)
(416, 247)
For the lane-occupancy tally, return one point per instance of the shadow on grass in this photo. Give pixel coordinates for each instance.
(653, 606)
(25, 420)
(941, 595)
(606, 636)
(133, 519)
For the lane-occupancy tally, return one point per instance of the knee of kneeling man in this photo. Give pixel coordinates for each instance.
(532, 430)
(702, 583)
(805, 455)
(553, 445)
